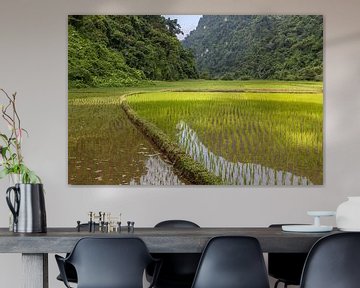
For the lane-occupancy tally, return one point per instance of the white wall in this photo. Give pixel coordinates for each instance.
(33, 62)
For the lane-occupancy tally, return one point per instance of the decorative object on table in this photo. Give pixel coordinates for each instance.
(28, 208)
(101, 221)
(316, 227)
(131, 226)
(27, 204)
(348, 214)
(12, 160)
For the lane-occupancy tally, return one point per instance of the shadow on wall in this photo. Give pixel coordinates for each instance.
(344, 39)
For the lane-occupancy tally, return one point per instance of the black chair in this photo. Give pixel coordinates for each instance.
(108, 263)
(69, 269)
(333, 262)
(178, 269)
(286, 267)
(232, 262)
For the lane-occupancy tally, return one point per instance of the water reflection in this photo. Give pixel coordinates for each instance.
(158, 173)
(114, 152)
(230, 172)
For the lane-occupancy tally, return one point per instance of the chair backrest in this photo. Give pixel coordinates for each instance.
(110, 262)
(333, 262)
(178, 269)
(232, 262)
(176, 224)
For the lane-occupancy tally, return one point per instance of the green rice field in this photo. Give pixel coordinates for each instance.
(278, 130)
(246, 132)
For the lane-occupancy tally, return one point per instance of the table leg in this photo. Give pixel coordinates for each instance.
(35, 270)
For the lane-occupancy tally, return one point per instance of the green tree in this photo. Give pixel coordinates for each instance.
(286, 47)
(125, 50)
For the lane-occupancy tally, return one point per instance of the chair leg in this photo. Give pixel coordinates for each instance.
(278, 282)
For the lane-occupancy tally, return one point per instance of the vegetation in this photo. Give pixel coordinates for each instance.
(117, 51)
(11, 157)
(191, 170)
(104, 147)
(137, 109)
(258, 47)
(278, 130)
(282, 130)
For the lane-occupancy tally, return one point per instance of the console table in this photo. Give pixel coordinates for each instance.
(35, 247)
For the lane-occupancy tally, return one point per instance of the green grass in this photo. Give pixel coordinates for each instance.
(193, 171)
(291, 86)
(278, 130)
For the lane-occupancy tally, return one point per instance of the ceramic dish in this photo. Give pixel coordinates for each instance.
(321, 213)
(306, 228)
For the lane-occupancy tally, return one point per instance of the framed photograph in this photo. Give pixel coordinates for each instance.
(195, 100)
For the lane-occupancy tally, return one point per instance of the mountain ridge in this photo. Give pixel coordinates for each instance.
(279, 47)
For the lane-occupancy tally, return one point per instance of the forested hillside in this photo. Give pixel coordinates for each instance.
(258, 47)
(114, 51)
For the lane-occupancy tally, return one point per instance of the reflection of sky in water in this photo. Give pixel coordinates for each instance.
(230, 172)
(158, 173)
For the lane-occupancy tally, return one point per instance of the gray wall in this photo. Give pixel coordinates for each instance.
(33, 55)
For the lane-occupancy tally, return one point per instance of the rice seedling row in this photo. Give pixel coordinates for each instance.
(280, 131)
(104, 147)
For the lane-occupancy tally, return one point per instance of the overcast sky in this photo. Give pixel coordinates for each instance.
(187, 23)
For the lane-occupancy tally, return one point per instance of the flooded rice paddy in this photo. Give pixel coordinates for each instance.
(246, 138)
(230, 172)
(275, 137)
(107, 149)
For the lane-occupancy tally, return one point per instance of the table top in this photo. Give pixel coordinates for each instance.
(158, 240)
